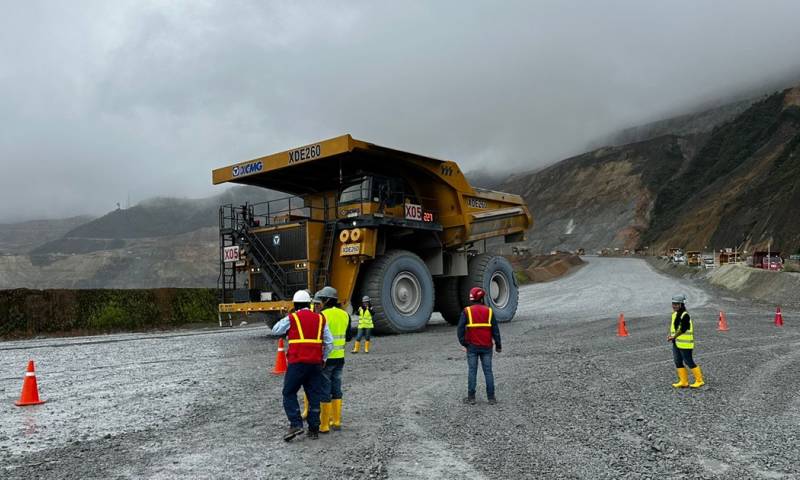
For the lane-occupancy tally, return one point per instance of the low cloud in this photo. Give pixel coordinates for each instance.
(105, 100)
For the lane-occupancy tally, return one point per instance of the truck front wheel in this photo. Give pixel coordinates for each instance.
(495, 275)
(400, 287)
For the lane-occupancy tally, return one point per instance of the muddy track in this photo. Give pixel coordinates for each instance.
(575, 400)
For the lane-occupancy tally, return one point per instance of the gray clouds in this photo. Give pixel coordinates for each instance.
(105, 98)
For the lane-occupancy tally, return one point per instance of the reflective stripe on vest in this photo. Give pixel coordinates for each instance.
(338, 323)
(303, 338)
(469, 319)
(685, 341)
(478, 331)
(364, 318)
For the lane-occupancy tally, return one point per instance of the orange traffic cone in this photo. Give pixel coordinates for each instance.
(778, 317)
(30, 391)
(722, 324)
(280, 360)
(622, 330)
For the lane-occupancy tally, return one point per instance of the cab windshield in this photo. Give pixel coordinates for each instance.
(356, 192)
(386, 191)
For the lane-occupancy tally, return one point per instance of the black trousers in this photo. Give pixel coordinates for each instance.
(681, 356)
(308, 376)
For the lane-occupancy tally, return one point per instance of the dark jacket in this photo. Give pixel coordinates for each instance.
(681, 324)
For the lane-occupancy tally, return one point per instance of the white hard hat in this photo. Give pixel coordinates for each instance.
(301, 296)
(680, 298)
(327, 292)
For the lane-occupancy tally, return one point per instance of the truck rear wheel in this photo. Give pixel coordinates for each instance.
(449, 299)
(495, 275)
(400, 287)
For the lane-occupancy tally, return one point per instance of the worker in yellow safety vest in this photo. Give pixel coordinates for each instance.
(365, 325)
(338, 322)
(681, 334)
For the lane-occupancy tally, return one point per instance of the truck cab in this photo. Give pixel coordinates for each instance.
(370, 194)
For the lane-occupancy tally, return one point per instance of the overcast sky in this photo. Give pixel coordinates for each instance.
(101, 100)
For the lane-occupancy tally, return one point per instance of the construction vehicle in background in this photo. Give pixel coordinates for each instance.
(729, 255)
(693, 258)
(404, 229)
(676, 255)
(769, 260)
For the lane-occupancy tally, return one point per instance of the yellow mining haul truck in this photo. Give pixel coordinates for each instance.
(401, 228)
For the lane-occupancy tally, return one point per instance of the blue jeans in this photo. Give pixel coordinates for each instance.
(363, 333)
(485, 355)
(681, 356)
(332, 382)
(308, 376)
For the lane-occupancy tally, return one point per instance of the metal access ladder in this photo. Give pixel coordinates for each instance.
(323, 272)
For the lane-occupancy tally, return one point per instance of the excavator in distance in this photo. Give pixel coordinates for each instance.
(404, 229)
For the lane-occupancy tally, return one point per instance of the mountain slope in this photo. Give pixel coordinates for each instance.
(735, 185)
(602, 198)
(22, 237)
(742, 188)
(158, 243)
(160, 217)
(688, 124)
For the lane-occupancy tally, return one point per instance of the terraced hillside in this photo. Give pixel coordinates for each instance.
(158, 243)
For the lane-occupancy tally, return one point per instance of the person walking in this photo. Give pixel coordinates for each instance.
(365, 325)
(310, 343)
(338, 322)
(477, 329)
(681, 335)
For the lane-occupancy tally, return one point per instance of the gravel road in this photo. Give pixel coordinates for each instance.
(575, 401)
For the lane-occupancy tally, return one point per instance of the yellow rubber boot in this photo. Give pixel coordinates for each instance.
(324, 417)
(366, 346)
(698, 378)
(304, 414)
(683, 378)
(356, 347)
(336, 414)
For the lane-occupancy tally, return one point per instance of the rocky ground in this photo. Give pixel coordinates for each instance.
(741, 281)
(575, 400)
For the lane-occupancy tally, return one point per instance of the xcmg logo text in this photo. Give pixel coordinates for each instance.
(254, 167)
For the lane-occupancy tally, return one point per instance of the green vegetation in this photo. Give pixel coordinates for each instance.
(27, 313)
(193, 306)
(729, 146)
(521, 277)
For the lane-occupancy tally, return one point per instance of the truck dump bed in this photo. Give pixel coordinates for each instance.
(467, 214)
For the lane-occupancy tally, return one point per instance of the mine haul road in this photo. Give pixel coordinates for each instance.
(575, 400)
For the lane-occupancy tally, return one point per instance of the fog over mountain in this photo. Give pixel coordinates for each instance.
(105, 101)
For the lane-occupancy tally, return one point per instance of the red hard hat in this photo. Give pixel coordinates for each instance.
(476, 294)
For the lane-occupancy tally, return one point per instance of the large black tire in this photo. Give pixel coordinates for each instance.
(400, 287)
(448, 299)
(495, 275)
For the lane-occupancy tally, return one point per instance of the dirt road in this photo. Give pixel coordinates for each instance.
(575, 401)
